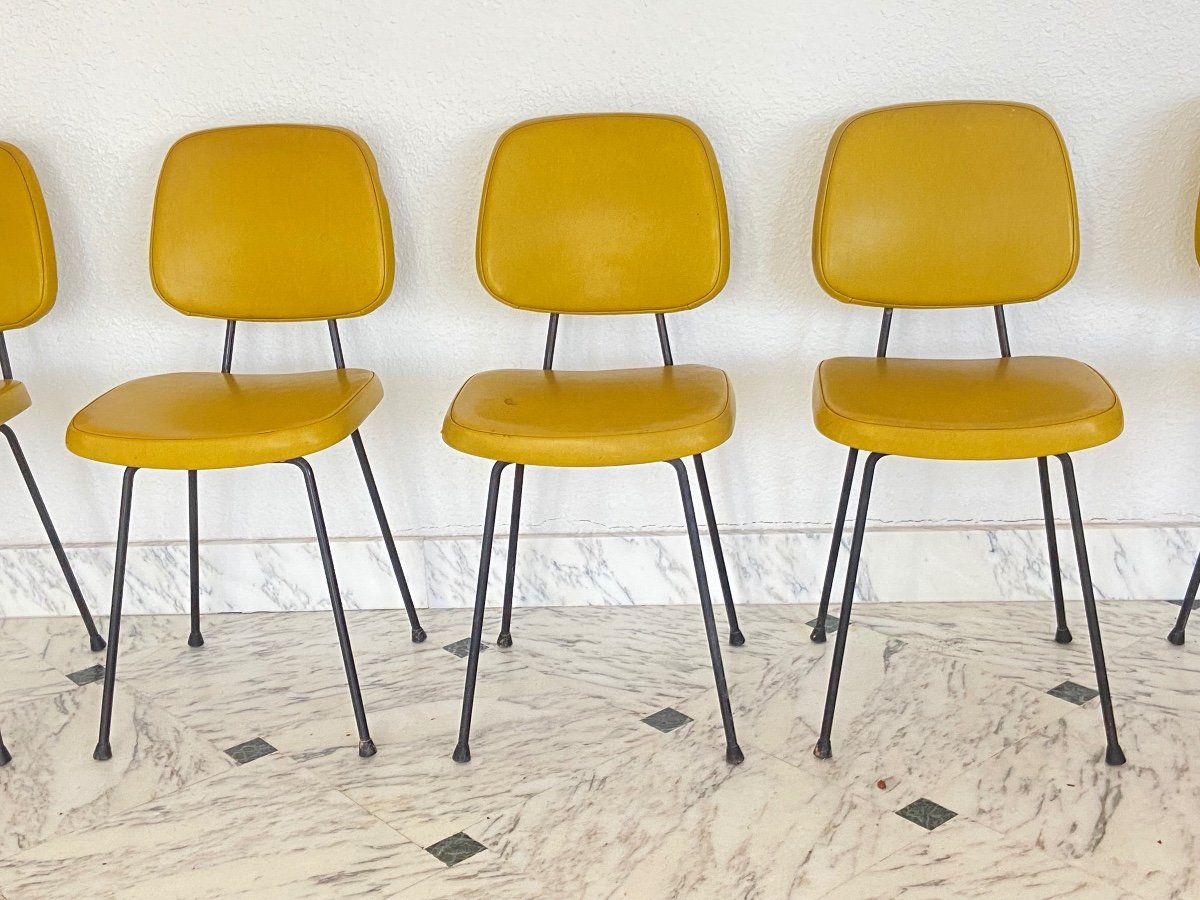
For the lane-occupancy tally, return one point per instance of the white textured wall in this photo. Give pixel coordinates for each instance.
(96, 92)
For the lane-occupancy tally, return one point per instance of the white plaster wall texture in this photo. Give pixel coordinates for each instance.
(96, 92)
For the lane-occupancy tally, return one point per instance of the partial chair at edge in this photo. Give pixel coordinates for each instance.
(28, 288)
(591, 215)
(266, 223)
(943, 205)
(1177, 634)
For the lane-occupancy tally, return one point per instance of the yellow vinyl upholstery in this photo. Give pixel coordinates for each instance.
(616, 417)
(271, 223)
(14, 399)
(603, 214)
(946, 204)
(1015, 408)
(267, 223)
(595, 214)
(28, 273)
(206, 420)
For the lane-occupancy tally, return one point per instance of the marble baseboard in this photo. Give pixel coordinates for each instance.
(777, 566)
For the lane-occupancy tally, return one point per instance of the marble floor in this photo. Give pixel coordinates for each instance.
(968, 759)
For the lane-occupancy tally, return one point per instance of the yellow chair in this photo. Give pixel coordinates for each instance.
(939, 205)
(265, 223)
(589, 215)
(28, 288)
(1178, 633)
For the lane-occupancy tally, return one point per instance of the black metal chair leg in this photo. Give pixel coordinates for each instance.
(733, 753)
(418, 633)
(1113, 756)
(823, 749)
(1189, 600)
(510, 571)
(1063, 634)
(736, 638)
(462, 752)
(103, 749)
(5, 756)
(839, 525)
(366, 746)
(97, 642)
(195, 639)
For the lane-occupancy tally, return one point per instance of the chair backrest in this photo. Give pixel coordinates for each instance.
(271, 223)
(946, 204)
(28, 273)
(611, 213)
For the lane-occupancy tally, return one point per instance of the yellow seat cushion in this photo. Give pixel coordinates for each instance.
(204, 420)
(14, 399)
(1015, 408)
(614, 417)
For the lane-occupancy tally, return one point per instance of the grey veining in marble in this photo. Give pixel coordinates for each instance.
(53, 785)
(766, 566)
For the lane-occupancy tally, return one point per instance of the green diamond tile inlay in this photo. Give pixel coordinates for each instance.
(666, 720)
(456, 848)
(89, 675)
(1078, 694)
(248, 751)
(831, 624)
(462, 649)
(926, 813)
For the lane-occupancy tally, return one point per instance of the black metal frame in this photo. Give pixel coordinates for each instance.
(94, 638)
(733, 753)
(1178, 633)
(366, 747)
(823, 749)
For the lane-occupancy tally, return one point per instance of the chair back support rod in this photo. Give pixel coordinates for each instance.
(227, 359)
(551, 337)
(1002, 331)
(664, 340)
(885, 331)
(5, 363)
(335, 338)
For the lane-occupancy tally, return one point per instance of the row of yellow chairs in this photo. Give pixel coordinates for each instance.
(932, 205)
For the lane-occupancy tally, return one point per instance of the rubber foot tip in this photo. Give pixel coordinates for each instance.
(817, 636)
(734, 755)
(98, 643)
(736, 638)
(504, 640)
(462, 753)
(5, 756)
(1114, 756)
(102, 753)
(1063, 635)
(823, 750)
(418, 635)
(195, 639)
(366, 748)
(1176, 637)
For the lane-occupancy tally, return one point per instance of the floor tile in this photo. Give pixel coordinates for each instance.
(1014, 640)
(906, 715)
(646, 660)
(248, 751)
(529, 732)
(1153, 673)
(667, 720)
(1072, 692)
(267, 830)
(62, 643)
(281, 677)
(25, 676)
(54, 786)
(1133, 825)
(926, 813)
(964, 859)
(675, 820)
